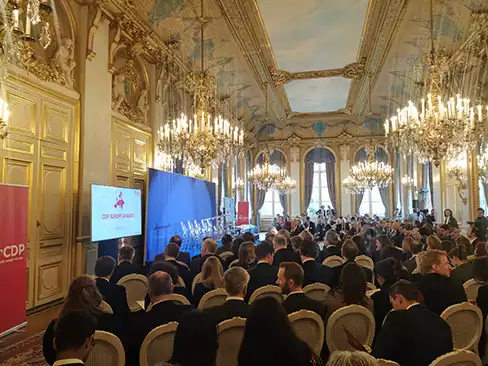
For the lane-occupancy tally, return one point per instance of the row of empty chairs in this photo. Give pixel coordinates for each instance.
(464, 319)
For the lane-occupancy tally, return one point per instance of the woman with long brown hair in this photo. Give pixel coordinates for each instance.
(212, 278)
(246, 258)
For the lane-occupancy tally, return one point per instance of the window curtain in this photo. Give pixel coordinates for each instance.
(319, 156)
(382, 156)
(278, 159)
(361, 155)
(398, 179)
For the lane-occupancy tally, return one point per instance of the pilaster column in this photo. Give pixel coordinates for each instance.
(438, 180)
(344, 166)
(295, 175)
(403, 189)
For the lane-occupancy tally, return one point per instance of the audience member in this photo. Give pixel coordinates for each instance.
(269, 338)
(195, 341)
(313, 271)
(209, 248)
(460, 239)
(236, 244)
(306, 235)
(480, 270)
(125, 267)
(183, 256)
(286, 234)
(438, 290)
(480, 250)
(407, 244)
(248, 236)
(349, 251)
(386, 249)
(449, 219)
(212, 278)
(403, 337)
(246, 257)
(351, 290)
(226, 244)
(434, 243)
(171, 252)
(82, 296)
(462, 270)
(73, 338)
(331, 246)
(396, 234)
(295, 242)
(480, 225)
(173, 272)
(115, 295)
(447, 245)
(360, 241)
(282, 252)
(411, 264)
(263, 273)
(473, 240)
(290, 279)
(235, 283)
(347, 358)
(444, 232)
(481, 274)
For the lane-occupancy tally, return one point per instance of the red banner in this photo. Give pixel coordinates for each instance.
(14, 201)
(242, 213)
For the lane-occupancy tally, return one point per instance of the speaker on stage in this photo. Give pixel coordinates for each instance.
(415, 204)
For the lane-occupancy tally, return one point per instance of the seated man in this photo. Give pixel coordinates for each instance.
(171, 252)
(209, 248)
(349, 252)
(125, 267)
(263, 273)
(73, 338)
(226, 244)
(115, 295)
(439, 291)
(183, 256)
(290, 279)
(331, 246)
(173, 272)
(411, 264)
(313, 272)
(411, 334)
(235, 283)
(281, 251)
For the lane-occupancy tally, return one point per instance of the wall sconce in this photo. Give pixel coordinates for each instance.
(455, 170)
(4, 116)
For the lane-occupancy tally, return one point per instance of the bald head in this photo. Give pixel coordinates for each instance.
(160, 284)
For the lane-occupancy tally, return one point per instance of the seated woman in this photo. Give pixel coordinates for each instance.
(212, 278)
(462, 270)
(269, 338)
(350, 291)
(246, 258)
(83, 295)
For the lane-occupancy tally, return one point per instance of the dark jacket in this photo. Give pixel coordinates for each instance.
(392, 252)
(183, 271)
(123, 269)
(314, 272)
(440, 292)
(403, 337)
(452, 222)
(482, 302)
(261, 274)
(228, 310)
(223, 249)
(299, 301)
(480, 225)
(197, 263)
(411, 264)
(328, 252)
(397, 238)
(115, 296)
(184, 257)
(285, 255)
(381, 306)
(463, 272)
(200, 291)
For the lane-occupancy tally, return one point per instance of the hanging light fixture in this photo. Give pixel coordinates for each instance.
(456, 169)
(372, 173)
(286, 186)
(27, 17)
(352, 186)
(483, 166)
(408, 182)
(444, 126)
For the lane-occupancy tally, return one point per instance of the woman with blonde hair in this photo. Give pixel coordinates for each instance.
(356, 358)
(246, 258)
(83, 295)
(212, 278)
(434, 243)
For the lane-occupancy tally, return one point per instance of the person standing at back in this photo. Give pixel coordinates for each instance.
(125, 267)
(281, 251)
(411, 334)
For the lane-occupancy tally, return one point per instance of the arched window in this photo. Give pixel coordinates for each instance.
(271, 203)
(320, 190)
(372, 203)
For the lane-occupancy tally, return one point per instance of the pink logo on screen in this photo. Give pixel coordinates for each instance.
(119, 201)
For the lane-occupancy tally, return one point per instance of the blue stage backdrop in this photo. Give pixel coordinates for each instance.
(176, 205)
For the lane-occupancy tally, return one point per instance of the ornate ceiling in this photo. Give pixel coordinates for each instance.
(318, 56)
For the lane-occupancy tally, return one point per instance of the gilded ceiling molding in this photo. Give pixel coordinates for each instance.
(354, 70)
(343, 139)
(97, 17)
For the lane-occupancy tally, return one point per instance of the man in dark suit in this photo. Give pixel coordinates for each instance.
(411, 264)
(235, 283)
(73, 338)
(313, 272)
(209, 248)
(115, 295)
(290, 279)
(396, 235)
(263, 273)
(309, 225)
(444, 232)
(460, 239)
(171, 252)
(125, 267)
(438, 290)
(281, 251)
(331, 246)
(480, 225)
(226, 244)
(349, 252)
(183, 256)
(403, 337)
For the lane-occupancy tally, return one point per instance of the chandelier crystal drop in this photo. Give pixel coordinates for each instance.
(352, 186)
(267, 176)
(408, 182)
(372, 173)
(286, 186)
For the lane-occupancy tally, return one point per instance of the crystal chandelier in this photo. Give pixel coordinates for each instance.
(286, 186)
(204, 140)
(352, 186)
(238, 184)
(408, 182)
(26, 18)
(372, 173)
(456, 169)
(266, 176)
(483, 167)
(444, 126)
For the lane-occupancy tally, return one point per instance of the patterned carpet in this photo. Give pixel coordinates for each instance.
(27, 352)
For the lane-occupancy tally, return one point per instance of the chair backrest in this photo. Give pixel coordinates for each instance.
(158, 345)
(370, 286)
(316, 291)
(357, 320)
(333, 261)
(268, 290)
(136, 289)
(382, 362)
(471, 288)
(230, 334)
(108, 350)
(233, 263)
(212, 298)
(458, 358)
(225, 255)
(466, 322)
(106, 308)
(198, 278)
(181, 282)
(309, 327)
(365, 261)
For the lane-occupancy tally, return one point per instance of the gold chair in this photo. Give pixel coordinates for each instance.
(180, 282)
(382, 362)
(212, 298)
(197, 279)
(458, 358)
(309, 327)
(158, 345)
(269, 290)
(108, 350)
(466, 322)
(230, 333)
(471, 288)
(106, 308)
(333, 261)
(225, 255)
(136, 288)
(316, 291)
